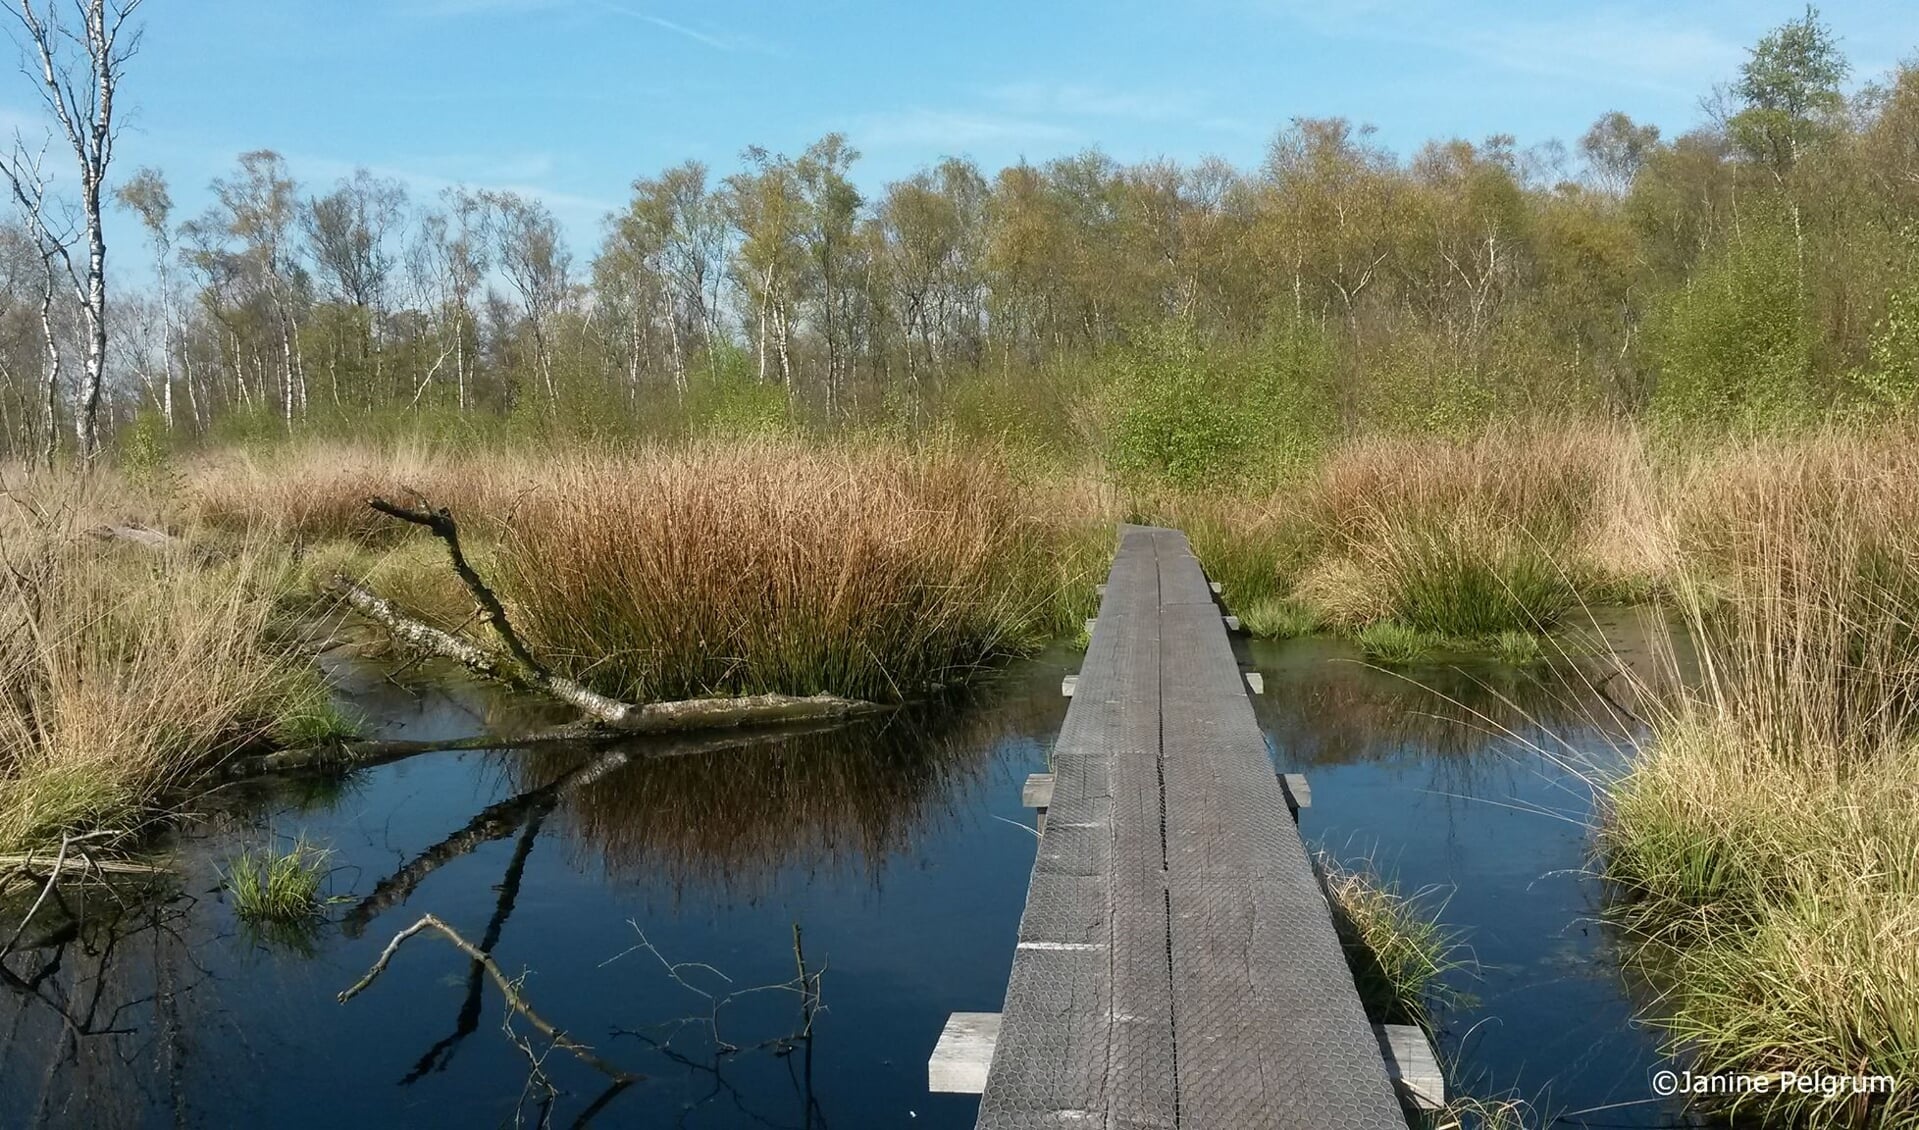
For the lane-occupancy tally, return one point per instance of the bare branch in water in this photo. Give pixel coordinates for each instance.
(509, 989)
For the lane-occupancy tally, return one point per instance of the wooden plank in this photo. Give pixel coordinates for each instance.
(964, 1054)
(1038, 791)
(1059, 1015)
(1176, 963)
(1270, 1028)
(1412, 1064)
(1299, 794)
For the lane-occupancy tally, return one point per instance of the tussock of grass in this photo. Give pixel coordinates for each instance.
(874, 574)
(125, 672)
(1518, 648)
(1467, 1113)
(270, 886)
(317, 492)
(1766, 840)
(1279, 619)
(1463, 539)
(1396, 950)
(1396, 644)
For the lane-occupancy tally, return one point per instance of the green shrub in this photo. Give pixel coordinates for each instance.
(1191, 414)
(1734, 347)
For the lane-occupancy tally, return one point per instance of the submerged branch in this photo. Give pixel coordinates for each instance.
(509, 989)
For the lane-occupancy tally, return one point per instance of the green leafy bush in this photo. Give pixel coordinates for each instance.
(1734, 347)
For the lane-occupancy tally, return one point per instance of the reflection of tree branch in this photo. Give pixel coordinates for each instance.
(720, 1083)
(499, 820)
(508, 989)
(441, 1054)
(805, 984)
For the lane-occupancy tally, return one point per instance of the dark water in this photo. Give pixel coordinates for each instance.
(651, 913)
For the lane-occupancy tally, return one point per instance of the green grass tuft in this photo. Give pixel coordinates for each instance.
(1518, 648)
(1396, 949)
(277, 887)
(1275, 619)
(1396, 644)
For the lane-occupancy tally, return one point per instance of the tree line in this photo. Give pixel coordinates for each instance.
(1764, 265)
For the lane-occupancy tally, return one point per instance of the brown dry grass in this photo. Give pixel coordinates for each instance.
(1767, 835)
(125, 671)
(874, 573)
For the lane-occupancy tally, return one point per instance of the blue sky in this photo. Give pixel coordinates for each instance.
(571, 99)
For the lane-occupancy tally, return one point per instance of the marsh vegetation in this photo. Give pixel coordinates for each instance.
(779, 438)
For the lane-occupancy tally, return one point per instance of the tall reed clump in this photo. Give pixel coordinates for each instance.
(768, 567)
(1459, 538)
(125, 671)
(1766, 840)
(317, 491)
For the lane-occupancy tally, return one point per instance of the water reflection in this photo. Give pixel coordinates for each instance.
(893, 844)
(1474, 782)
(155, 1006)
(732, 822)
(105, 1004)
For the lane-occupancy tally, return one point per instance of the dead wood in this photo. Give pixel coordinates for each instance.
(509, 989)
(623, 717)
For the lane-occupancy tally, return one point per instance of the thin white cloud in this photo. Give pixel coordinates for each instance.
(1081, 100)
(951, 129)
(706, 37)
(1645, 45)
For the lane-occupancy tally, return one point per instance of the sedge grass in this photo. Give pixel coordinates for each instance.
(763, 567)
(1395, 947)
(1276, 619)
(1394, 644)
(1765, 842)
(1464, 539)
(273, 886)
(126, 672)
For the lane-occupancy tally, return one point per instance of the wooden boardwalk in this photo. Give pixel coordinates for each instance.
(1177, 964)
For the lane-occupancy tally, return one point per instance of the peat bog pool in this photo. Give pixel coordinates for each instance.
(651, 913)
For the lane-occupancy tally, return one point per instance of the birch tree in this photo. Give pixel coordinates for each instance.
(77, 60)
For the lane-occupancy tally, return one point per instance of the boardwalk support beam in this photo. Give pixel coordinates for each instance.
(964, 1053)
(1412, 1064)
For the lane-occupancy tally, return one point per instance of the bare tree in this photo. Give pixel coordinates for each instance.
(147, 196)
(51, 241)
(78, 72)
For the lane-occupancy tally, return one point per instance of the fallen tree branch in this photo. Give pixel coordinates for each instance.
(336, 757)
(144, 536)
(440, 521)
(624, 717)
(509, 989)
(157, 541)
(42, 865)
